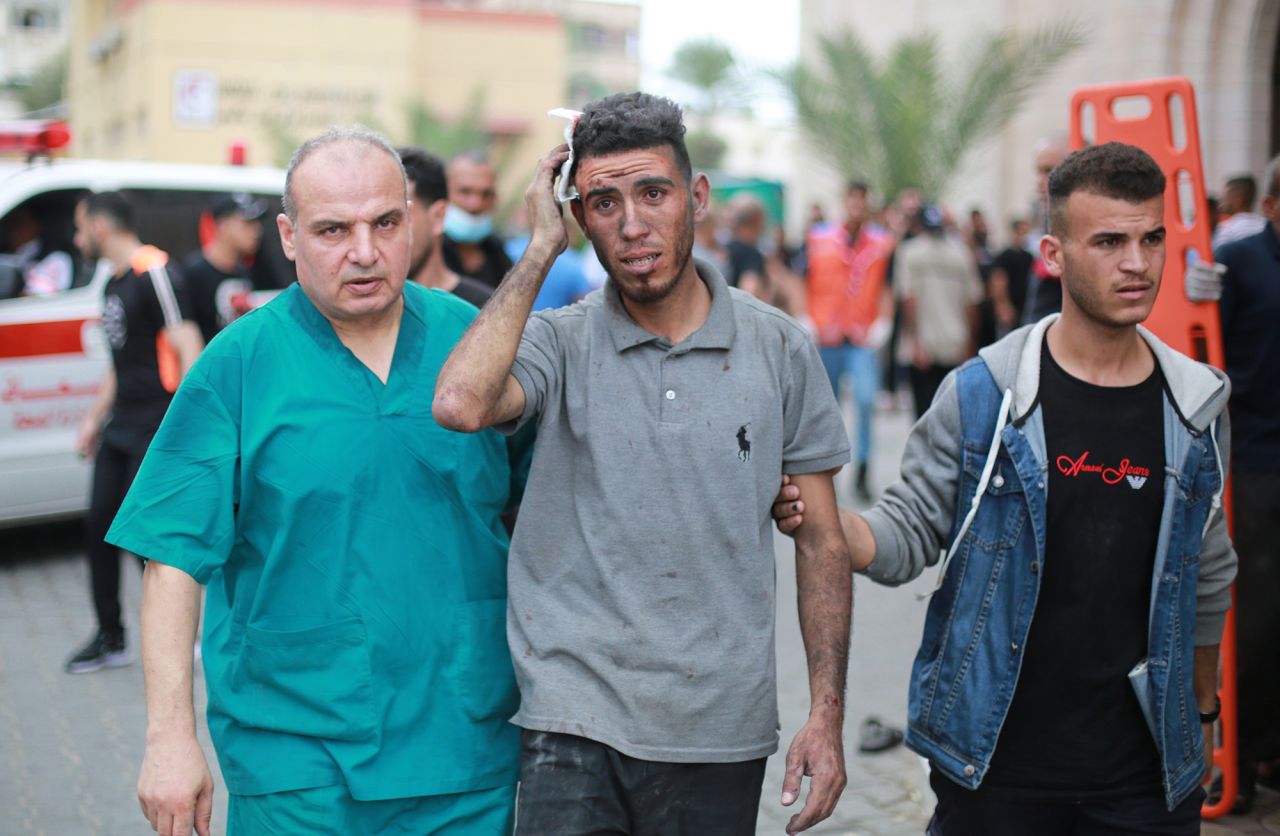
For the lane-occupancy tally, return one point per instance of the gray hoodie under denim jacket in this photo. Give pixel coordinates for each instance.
(974, 483)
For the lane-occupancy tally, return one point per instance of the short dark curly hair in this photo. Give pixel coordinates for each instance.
(426, 174)
(1113, 169)
(630, 122)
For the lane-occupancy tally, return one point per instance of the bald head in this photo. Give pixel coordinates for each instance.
(1049, 152)
(354, 141)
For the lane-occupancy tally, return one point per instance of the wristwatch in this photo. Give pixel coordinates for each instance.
(1212, 716)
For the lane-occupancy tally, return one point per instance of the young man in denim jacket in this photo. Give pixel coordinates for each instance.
(1073, 476)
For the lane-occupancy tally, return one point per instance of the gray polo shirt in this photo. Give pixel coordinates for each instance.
(641, 575)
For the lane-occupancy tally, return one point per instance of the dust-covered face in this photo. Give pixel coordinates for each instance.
(639, 212)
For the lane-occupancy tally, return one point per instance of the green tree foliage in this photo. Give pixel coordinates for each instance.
(907, 120)
(423, 126)
(448, 137)
(708, 66)
(706, 150)
(48, 86)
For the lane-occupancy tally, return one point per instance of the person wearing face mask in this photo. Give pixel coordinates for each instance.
(470, 246)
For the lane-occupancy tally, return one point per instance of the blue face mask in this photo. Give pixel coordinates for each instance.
(466, 228)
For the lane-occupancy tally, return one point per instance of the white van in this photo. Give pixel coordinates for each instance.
(52, 356)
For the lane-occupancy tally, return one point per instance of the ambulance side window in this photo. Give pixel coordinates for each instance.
(171, 219)
(38, 256)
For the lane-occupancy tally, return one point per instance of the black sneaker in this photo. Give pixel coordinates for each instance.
(102, 651)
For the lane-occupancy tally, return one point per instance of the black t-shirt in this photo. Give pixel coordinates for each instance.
(1075, 728)
(138, 304)
(209, 288)
(491, 272)
(473, 291)
(1044, 296)
(1016, 264)
(743, 258)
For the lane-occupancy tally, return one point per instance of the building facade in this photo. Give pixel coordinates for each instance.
(33, 33)
(189, 80)
(1227, 48)
(604, 49)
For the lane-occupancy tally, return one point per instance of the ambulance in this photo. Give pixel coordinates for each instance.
(52, 352)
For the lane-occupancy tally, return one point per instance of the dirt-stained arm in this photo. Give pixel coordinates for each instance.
(475, 388)
(825, 596)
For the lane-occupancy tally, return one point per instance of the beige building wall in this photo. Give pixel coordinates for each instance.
(1226, 47)
(32, 33)
(181, 80)
(604, 48)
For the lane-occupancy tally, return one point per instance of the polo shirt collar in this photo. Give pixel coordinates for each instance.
(716, 332)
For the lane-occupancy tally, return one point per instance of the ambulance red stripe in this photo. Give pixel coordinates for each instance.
(38, 339)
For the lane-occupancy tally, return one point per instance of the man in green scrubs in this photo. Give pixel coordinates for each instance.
(355, 564)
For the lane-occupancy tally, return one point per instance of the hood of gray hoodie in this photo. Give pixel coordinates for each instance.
(1199, 392)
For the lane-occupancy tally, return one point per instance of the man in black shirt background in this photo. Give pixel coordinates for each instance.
(220, 268)
(146, 322)
(1250, 310)
(429, 202)
(1010, 273)
(746, 262)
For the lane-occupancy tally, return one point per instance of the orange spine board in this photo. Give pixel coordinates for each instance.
(1170, 133)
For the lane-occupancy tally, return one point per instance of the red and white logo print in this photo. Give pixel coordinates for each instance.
(1125, 471)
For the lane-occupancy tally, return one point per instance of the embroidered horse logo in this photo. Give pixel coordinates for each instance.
(744, 446)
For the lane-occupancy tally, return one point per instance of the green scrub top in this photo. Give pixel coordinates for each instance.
(355, 621)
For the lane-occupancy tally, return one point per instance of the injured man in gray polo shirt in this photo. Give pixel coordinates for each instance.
(641, 574)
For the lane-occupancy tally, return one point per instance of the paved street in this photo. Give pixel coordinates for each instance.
(70, 746)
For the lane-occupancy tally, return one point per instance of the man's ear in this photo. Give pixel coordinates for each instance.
(435, 217)
(579, 215)
(701, 197)
(1051, 248)
(286, 235)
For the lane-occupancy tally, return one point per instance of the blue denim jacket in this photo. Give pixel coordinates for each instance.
(989, 444)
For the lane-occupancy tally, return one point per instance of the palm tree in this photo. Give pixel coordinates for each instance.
(709, 67)
(908, 121)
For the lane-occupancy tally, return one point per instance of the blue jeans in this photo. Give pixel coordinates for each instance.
(859, 364)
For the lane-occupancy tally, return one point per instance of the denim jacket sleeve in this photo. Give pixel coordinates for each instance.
(913, 520)
(1217, 559)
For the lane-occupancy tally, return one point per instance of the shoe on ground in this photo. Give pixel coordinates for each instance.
(1269, 774)
(102, 651)
(875, 736)
(1245, 793)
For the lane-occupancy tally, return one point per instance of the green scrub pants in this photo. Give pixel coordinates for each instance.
(325, 810)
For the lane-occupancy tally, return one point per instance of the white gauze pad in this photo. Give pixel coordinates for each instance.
(565, 190)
